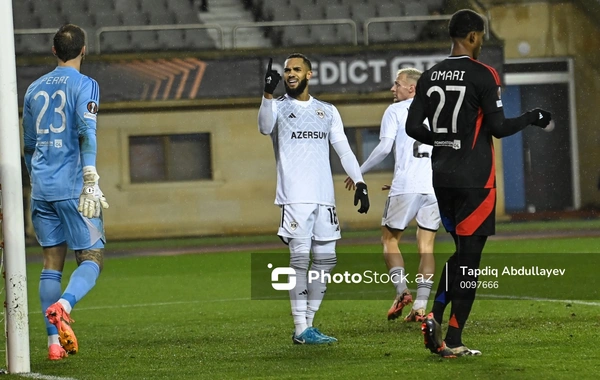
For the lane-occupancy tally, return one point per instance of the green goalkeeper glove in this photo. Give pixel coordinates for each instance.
(91, 200)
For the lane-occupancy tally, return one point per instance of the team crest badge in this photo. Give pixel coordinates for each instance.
(293, 225)
(321, 113)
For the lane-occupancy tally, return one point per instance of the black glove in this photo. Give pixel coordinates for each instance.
(272, 78)
(540, 117)
(362, 195)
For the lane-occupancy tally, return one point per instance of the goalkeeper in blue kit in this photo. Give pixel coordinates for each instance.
(59, 127)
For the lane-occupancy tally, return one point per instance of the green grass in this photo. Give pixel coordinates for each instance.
(192, 317)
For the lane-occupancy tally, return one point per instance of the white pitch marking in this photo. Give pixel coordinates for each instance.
(33, 375)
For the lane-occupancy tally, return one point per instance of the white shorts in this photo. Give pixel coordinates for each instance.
(401, 209)
(309, 220)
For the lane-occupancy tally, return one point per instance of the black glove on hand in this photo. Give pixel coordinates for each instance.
(362, 195)
(272, 78)
(542, 118)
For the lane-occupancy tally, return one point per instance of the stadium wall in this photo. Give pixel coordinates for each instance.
(567, 29)
(240, 197)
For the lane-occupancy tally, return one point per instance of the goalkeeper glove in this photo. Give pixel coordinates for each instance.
(540, 117)
(272, 78)
(91, 200)
(362, 195)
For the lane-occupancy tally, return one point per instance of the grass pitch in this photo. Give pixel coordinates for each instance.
(192, 317)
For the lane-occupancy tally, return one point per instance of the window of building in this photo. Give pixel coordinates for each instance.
(362, 141)
(169, 158)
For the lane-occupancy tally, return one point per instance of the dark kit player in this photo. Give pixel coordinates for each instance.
(461, 99)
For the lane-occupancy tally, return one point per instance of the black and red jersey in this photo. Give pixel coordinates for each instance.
(454, 96)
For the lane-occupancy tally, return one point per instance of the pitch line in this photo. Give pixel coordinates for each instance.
(153, 304)
(33, 375)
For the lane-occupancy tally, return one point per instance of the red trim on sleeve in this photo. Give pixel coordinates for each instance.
(471, 223)
(477, 126)
(492, 70)
(491, 182)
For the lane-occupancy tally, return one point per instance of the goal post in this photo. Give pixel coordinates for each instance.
(13, 234)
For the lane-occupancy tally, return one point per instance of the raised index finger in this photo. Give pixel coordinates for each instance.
(270, 63)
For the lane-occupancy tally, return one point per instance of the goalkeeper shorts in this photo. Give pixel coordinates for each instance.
(57, 222)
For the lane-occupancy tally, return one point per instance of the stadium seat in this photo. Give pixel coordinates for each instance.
(78, 18)
(186, 18)
(26, 21)
(198, 39)
(289, 13)
(153, 6)
(115, 42)
(345, 34)
(311, 13)
(171, 39)
(33, 44)
(181, 6)
(296, 36)
(162, 18)
(52, 19)
(403, 31)
(414, 8)
(139, 18)
(144, 40)
(360, 13)
(378, 32)
(106, 18)
(390, 10)
(324, 34)
(325, 3)
(435, 5)
(126, 7)
(337, 11)
(73, 6)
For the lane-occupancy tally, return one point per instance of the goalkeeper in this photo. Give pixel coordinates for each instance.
(59, 127)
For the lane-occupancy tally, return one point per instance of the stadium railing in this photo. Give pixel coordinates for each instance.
(266, 24)
(112, 29)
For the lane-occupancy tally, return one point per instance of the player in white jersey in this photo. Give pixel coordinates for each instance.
(301, 128)
(411, 197)
(59, 135)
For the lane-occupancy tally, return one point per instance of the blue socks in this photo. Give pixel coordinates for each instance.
(50, 291)
(82, 281)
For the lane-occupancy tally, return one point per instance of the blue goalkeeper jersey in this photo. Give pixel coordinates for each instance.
(59, 127)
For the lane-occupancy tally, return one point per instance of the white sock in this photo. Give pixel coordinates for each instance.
(299, 260)
(66, 305)
(397, 278)
(423, 291)
(53, 339)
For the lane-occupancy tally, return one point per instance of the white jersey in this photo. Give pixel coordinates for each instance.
(301, 137)
(412, 169)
